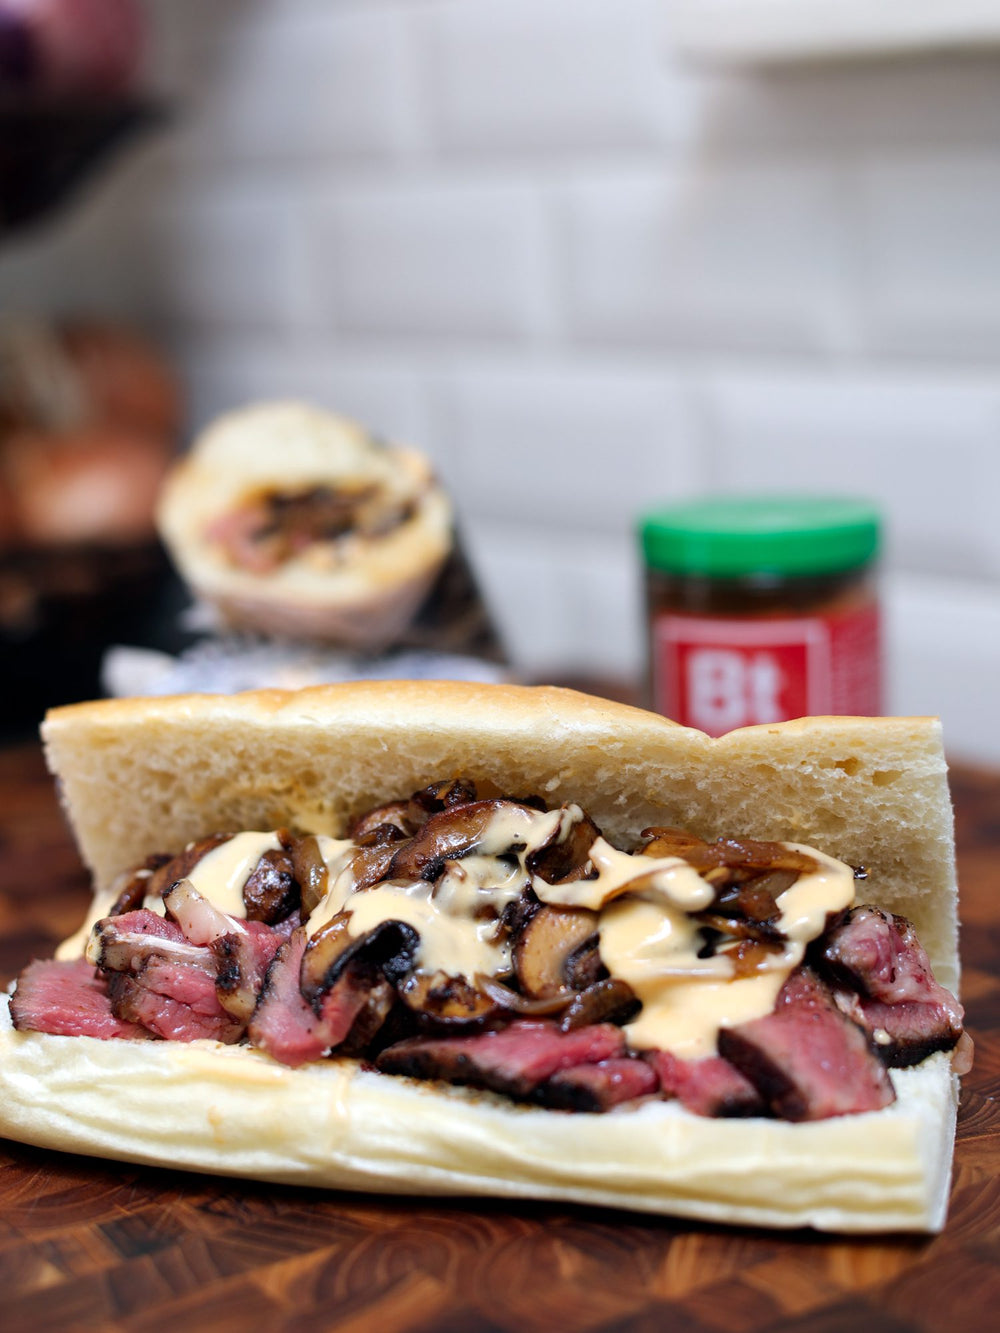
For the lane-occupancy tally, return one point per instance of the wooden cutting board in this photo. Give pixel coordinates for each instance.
(86, 1243)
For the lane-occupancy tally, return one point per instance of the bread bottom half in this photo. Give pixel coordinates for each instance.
(230, 1110)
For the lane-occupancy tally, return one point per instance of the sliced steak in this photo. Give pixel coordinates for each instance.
(878, 954)
(290, 1030)
(807, 1059)
(174, 1001)
(598, 1087)
(67, 999)
(514, 1060)
(283, 1025)
(242, 961)
(905, 1033)
(123, 943)
(710, 1087)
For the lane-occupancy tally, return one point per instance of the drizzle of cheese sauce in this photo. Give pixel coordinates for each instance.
(621, 872)
(221, 873)
(651, 944)
(647, 936)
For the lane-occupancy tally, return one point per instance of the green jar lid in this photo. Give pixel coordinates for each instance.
(778, 535)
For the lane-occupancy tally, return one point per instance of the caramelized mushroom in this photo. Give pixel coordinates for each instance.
(371, 865)
(446, 836)
(132, 886)
(180, 866)
(449, 1002)
(271, 891)
(547, 944)
(738, 854)
(560, 862)
(310, 872)
(394, 814)
(437, 797)
(387, 951)
(607, 1001)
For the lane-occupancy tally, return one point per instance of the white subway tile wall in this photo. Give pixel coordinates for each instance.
(585, 278)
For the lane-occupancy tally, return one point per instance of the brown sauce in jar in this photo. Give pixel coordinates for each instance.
(761, 610)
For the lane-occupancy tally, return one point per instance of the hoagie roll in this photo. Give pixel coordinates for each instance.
(473, 876)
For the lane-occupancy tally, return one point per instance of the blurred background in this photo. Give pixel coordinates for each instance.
(584, 271)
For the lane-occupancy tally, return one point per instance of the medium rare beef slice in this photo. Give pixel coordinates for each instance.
(903, 1034)
(289, 1029)
(807, 1059)
(283, 1024)
(172, 1000)
(598, 1087)
(710, 1087)
(883, 980)
(67, 999)
(879, 955)
(242, 959)
(515, 1060)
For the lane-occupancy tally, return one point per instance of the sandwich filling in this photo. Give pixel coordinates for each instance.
(492, 941)
(319, 522)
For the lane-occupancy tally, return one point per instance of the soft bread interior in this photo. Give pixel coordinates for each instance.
(139, 776)
(365, 594)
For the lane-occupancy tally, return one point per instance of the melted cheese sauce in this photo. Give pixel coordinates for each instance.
(647, 936)
(620, 872)
(648, 942)
(221, 873)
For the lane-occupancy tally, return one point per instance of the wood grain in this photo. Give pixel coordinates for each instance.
(92, 1244)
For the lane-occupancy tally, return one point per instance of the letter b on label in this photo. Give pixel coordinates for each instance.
(727, 688)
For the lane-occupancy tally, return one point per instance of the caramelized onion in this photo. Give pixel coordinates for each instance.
(521, 1004)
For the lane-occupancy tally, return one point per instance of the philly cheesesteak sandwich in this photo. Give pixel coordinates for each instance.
(463, 939)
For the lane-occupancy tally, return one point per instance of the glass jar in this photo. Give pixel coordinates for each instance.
(762, 609)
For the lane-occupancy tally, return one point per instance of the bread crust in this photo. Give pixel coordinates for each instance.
(140, 775)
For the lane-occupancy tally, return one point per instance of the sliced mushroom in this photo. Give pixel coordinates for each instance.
(437, 797)
(369, 1022)
(743, 854)
(371, 865)
(607, 1001)
(449, 1002)
(271, 891)
(446, 836)
(510, 999)
(181, 865)
(394, 814)
(387, 951)
(748, 909)
(559, 862)
(131, 887)
(583, 967)
(310, 872)
(547, 944)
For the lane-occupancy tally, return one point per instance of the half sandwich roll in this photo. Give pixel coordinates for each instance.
(424, 802)
(290, 520)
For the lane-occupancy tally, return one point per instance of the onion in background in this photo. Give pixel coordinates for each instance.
(64, 50)
(89, 417)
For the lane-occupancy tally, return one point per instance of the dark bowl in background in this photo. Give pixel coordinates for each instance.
(61, 608)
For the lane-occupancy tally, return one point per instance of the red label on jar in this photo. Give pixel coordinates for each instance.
(717, 673)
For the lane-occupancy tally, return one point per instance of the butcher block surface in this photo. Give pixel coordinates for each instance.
(87, 1243)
